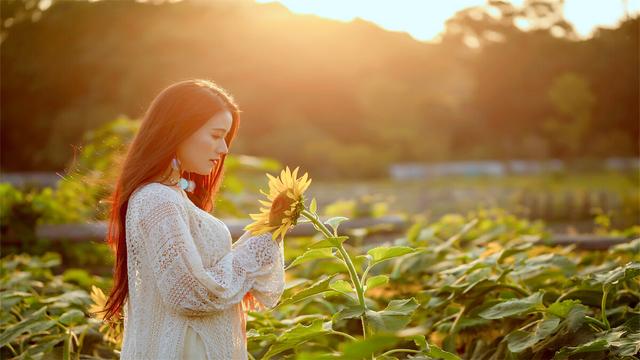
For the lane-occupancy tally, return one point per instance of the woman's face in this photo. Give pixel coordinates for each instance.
(200, 152)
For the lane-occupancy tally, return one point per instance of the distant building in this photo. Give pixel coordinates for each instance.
(417, 170)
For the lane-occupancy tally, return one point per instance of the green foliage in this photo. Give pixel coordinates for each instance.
(362, 206)
(394, 317)
(45, 314)
(475, 286)
(512, 307)
(495, 293)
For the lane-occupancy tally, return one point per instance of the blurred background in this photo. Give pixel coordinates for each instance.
(393, 107)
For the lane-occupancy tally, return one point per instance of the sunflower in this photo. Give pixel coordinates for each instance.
(286, 202)
(99, 301)
(96, 310)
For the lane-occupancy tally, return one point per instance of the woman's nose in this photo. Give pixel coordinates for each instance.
(224, 149)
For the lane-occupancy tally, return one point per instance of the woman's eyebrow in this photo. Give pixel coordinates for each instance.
(223, 129)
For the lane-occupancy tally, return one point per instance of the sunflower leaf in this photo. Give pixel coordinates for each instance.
(365, 348)
(394, 317)
(71, 317)
(298, 335)
(513, 307)
(342, 286)
(315, 288)
(377, 281)
(312, 254)
(441, 354)
(626, 272)
(350, 311)
(519, 340)
(24, 326)
(383, 253)
(329, 242)
(334, 222)
(313, 207)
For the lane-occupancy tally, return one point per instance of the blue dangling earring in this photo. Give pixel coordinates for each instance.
(184, 184)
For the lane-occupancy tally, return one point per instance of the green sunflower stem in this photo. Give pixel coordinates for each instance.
(347, 259)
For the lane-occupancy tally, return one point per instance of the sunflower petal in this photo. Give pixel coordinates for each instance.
(303, 179)
(271, 177)
(266, 203)
(275, 233)
(305, 186)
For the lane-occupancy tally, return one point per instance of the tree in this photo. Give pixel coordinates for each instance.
(573, 101)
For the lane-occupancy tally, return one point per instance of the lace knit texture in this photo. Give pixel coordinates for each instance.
(185, 272)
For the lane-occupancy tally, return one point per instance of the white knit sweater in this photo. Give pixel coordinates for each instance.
(184, 271)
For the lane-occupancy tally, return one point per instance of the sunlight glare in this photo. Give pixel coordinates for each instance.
(424, 20)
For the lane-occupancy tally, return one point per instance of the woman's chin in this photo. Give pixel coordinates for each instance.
(204, 172)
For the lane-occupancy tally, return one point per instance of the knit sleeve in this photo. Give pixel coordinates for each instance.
(184, 284)
(269, 287)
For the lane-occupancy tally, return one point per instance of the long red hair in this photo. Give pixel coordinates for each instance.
(172, 116)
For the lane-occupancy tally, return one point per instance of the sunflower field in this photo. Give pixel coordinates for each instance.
(479, 286)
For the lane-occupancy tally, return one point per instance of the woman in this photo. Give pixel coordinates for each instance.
(181, 286)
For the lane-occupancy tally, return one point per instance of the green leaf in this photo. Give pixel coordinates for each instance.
(329, 242)
(43, 326)
(438, 353)
(25, 325)
(71, 317)
(342, 287)
(383, 253)
(76, 297)
(315, 288)
(43, 346)
(513, 307)
(313, 207)
(303, 318)
(421, 342)
(394, 317)
(576, 317)
(628, 345)
(297, 335)
(334, 223)
(11, 298)
(255, 335)
(453, 240)
(365, 348)
(626, 272)
(312, 254)
(519, 341)
(377, 281)
(545, 265)
(595, 345)
(350, 311)
(505, 253)
(562, 308)
(604, 341)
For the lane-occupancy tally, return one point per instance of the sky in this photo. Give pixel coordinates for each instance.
(424, 19)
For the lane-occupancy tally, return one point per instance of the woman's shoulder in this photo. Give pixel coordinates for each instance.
(154, 192)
